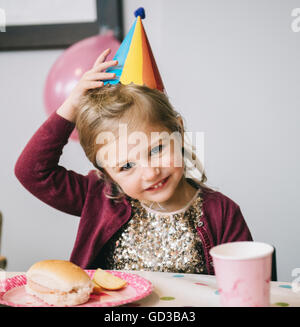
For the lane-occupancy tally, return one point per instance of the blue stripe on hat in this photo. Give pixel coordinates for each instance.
(121, 56)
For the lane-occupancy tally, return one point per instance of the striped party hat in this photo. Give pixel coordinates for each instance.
(136, 63)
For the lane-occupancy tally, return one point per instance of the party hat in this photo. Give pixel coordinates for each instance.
(136, 63)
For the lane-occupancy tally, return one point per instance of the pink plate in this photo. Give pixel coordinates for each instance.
(136, 289)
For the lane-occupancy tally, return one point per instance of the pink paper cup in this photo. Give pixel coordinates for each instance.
(243, 273)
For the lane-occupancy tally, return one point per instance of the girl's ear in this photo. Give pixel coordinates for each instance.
(180, 120)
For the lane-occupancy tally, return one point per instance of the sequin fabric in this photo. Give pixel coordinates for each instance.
(157, 241)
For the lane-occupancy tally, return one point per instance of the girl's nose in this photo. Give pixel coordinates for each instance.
(150, 173)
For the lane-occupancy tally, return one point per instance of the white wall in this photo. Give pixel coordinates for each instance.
(232, 69)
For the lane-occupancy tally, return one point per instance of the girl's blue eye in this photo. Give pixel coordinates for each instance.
(157, 149)
(127, 166)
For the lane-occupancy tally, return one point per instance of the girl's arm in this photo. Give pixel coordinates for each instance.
(38, 171)
(236, 228)
(37, 167)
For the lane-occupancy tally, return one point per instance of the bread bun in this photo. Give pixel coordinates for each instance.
(59, 282)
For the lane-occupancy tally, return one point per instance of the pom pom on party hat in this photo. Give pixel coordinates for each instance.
(136, 63)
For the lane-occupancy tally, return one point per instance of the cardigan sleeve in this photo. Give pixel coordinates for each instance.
(38, 171)
(235, 227)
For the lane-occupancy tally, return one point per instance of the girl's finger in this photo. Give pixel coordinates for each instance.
(102, 57)
(104, 65)
(87, 85)
(100, 76)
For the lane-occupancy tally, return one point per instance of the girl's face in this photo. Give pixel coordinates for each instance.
(147, 164)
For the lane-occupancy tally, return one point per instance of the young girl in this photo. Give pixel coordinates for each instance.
(134, 216)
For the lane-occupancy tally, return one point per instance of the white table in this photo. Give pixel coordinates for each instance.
(185, 290)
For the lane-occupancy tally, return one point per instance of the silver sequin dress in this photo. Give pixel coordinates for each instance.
(157, 241)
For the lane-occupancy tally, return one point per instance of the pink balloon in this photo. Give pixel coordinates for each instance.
(71, 65)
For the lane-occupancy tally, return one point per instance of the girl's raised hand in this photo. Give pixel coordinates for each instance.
(90, 80)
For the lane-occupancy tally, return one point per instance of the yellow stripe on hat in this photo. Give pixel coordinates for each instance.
(133, 66)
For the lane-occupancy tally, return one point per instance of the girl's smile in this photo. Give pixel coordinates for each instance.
(159, 185)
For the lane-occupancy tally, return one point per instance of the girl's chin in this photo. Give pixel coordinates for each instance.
(162, 196)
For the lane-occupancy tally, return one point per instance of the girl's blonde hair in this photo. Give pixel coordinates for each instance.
(104, 108)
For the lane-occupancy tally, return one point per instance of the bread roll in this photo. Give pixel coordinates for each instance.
(59, 283)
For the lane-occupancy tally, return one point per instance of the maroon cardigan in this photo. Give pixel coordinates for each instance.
(38, 170)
